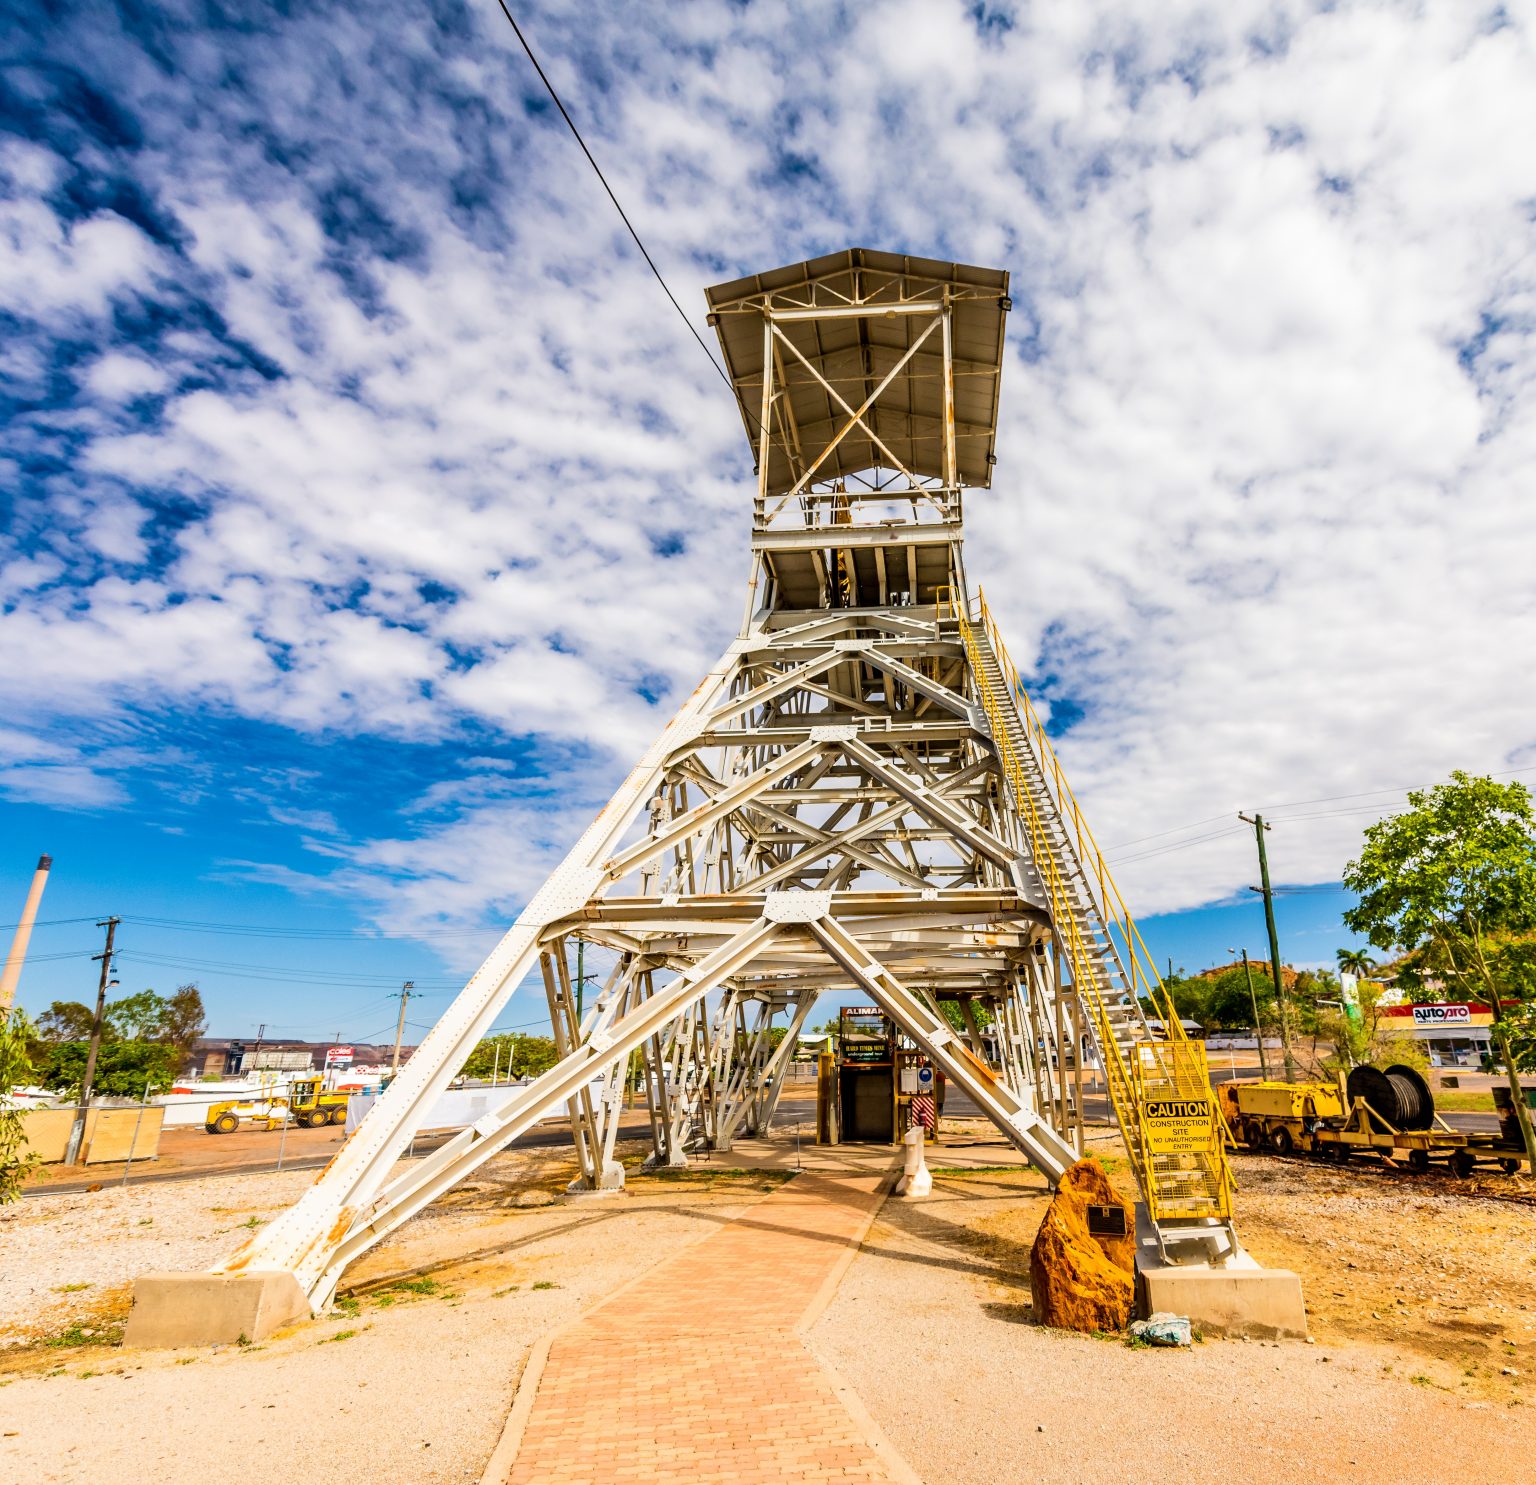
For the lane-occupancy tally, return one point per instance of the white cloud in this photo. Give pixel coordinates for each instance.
(70, 785)
(51, 269)
(1260, 506)
(116, 377)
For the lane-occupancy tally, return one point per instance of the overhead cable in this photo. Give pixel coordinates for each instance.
(623, 215)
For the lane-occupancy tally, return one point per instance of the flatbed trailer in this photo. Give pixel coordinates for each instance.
(1326, 1120)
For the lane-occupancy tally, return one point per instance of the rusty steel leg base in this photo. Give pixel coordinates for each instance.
(212, 1309)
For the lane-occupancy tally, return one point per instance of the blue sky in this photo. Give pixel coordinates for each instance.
(367, 508)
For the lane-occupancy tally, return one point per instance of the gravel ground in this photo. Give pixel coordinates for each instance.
(96, 1243)
(1422, 1298)
(931, 1327)
(415, 1381)
(1421, 1265)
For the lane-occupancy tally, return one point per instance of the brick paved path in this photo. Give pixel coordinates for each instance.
(697, 1374)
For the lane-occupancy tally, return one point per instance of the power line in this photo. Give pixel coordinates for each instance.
(53, 922)
(61, 954)
(1180, 845)
(623, 216)
(1120, 845)
(1508, 773)
(522, 1026)
(281, 973)
(1294, 804)
(266, 930)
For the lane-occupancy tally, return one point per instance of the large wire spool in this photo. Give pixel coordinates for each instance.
(1399, 1095)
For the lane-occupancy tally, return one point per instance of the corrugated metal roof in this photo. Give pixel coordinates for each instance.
(854, 354)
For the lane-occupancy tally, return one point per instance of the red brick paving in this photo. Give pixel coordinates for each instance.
(697, 1373)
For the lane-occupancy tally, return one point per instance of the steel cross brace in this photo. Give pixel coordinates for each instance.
(303, 1238)
(423, 1182)
(1006, 1108)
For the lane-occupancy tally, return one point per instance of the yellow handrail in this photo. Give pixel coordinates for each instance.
(1116, 913)
(1084, 971)
(1169, 1068)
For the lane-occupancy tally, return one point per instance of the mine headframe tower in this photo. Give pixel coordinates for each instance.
(859, 796)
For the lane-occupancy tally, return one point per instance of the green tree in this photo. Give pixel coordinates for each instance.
(1445, 880)
(173, 1022)
(1221, 1002)
(1354, 962)
(1188, 994)
(1231, 996)
(511, 1055)
(65, 1021)
(17, 1038)
(135, 1018)
(184, 1020)
(950, 1009)
(1520, 1028)
(122, 1068)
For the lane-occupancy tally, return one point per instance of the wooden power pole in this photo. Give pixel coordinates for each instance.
(1259, 827)
(76, 1153)
(405, 995)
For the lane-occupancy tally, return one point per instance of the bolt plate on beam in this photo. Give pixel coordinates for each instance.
(796, 907)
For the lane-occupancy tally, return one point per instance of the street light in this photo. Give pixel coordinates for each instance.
(1258, 1031)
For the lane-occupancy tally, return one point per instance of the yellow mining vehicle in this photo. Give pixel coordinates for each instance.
(1389, 1114)
(305, 1104)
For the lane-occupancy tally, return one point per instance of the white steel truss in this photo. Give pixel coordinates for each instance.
(831, 810)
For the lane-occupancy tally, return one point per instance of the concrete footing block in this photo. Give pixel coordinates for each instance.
(1261, 1302)
(609, 1183)
(212, 1309)
(1236, 1297)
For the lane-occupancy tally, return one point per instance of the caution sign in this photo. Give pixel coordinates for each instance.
(1177, 1126)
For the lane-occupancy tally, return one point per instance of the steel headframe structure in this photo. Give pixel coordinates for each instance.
(858, 796)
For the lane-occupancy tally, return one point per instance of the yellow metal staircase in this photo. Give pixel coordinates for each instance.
(1180, 1162)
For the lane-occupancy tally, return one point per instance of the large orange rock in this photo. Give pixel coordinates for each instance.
(1082, 1281)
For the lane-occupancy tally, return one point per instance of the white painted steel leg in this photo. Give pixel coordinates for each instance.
(778, 1066)
(426, 1179)
(303, 1238)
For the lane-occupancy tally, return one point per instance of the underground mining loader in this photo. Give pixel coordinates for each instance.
(305, 1104)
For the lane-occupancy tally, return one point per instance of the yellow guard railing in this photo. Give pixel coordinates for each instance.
(1180, 1163)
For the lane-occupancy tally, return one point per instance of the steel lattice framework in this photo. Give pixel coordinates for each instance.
(858, 796)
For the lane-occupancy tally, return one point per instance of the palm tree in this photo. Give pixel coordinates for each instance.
(1354, 962)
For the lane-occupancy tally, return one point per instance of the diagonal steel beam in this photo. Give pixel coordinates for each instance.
(927, 802)
(1005, 1107)
(702, 816)
(769, 690)
(843, 403)
(915, 680)
(303, 1237)
(427, 1179)
(855, 419)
